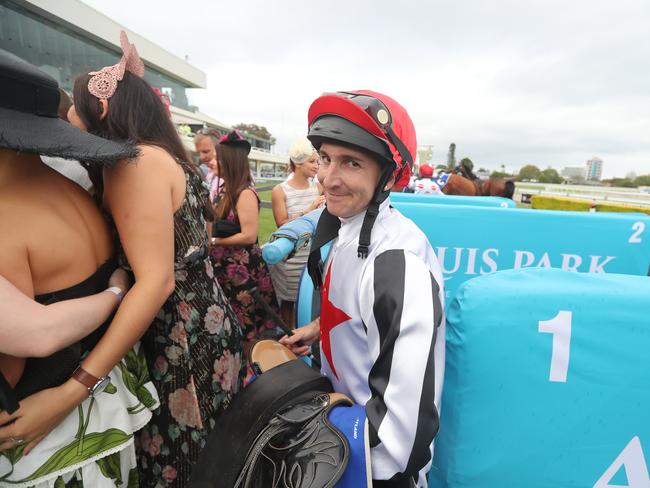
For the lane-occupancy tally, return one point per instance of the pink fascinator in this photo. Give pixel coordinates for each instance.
(236, 139)
(103, 83)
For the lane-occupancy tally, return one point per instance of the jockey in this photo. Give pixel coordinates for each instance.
(381, 327)
(426, 184)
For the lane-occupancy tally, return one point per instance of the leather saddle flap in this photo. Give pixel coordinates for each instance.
(237, 427)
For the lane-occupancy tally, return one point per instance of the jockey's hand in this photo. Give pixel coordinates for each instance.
(302, 339)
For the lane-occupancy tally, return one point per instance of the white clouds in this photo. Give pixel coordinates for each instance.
(544, 81)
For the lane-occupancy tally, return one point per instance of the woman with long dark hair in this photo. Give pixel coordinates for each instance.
(239, 266)
(190, 335)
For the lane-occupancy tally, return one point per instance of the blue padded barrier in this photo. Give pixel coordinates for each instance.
(547, 382)
(471, 241)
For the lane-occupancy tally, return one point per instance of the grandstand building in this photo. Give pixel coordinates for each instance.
(65, 38)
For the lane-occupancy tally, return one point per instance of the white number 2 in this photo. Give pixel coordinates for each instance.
(638, 229)
(560, 327)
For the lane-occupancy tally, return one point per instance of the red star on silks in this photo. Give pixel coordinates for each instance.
(330, 317)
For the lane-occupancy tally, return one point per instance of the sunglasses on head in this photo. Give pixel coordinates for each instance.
(373, 107)
(208, 131)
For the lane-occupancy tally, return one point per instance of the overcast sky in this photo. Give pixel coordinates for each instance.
(548, 82)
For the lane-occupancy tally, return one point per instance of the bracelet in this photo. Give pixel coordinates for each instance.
(118, 292)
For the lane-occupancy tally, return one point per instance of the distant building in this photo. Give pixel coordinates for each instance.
(574, 174)
(65, 38)
(594, 169)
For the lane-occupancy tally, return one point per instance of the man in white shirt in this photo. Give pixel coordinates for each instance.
(381, 326)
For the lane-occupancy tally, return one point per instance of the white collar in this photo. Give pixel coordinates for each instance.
(351, 226)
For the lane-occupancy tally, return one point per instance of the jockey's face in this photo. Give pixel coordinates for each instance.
(349, 178)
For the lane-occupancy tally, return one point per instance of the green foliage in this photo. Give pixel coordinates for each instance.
(499, 174)
(549, 175)
(529, 172)
(256, 130)
(560, 203)
(643, 180)
(622, 182)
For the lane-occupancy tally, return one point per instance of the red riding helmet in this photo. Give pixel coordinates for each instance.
(375, 123)
(367, 119)
(426, 171)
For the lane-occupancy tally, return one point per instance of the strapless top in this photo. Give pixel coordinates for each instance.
(54, 370)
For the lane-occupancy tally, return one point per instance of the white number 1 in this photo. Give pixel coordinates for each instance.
(560, 327)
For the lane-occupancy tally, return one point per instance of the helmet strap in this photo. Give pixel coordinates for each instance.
(401, 149)
(327, 229)
(372, 211)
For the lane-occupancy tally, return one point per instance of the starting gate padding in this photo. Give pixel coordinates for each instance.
(472, 241)
(547, 382)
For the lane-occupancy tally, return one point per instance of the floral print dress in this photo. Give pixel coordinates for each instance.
(239, 269)
(93, 446)
(193, 350)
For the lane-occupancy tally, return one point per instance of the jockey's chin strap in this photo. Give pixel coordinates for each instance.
(378, 197)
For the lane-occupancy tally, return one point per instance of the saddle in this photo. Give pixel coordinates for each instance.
(276, 433)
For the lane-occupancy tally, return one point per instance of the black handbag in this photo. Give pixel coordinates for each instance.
(225, 228)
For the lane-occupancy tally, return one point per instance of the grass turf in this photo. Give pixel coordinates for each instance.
(265, 195)
(267, 225)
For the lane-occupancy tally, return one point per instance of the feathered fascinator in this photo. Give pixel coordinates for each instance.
(234, 138)
(103, 83)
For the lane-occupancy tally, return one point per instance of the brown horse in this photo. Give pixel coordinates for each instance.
(468, 184)
(494, 187)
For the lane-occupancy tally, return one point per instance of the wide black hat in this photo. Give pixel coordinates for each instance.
(29, 99)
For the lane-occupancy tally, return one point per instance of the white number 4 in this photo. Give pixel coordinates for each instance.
(560, 327)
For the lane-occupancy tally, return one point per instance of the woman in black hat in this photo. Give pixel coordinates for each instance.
(190, 334)
(239, 266)
(55, 245)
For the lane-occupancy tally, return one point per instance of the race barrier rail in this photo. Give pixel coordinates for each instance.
(453, 200)
(547, 382)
